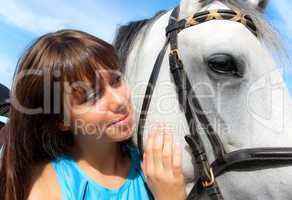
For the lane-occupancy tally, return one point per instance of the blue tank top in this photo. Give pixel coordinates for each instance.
(76, 185)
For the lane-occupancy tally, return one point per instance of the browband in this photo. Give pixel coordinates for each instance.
(221, 14)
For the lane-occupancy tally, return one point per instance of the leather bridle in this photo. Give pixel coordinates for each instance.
(242, 159)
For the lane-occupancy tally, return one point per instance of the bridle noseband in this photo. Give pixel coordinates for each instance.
(190, 105)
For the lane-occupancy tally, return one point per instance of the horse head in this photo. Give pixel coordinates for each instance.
(234, 70)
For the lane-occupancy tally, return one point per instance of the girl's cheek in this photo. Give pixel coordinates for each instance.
(127, 92)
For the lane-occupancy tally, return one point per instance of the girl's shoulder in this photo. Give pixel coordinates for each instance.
(44, 181)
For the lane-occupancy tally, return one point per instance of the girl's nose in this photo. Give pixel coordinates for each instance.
(117, 102)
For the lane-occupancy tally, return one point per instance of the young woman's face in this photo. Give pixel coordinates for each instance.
(107, 116)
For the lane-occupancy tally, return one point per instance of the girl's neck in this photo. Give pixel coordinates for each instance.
(104, 157)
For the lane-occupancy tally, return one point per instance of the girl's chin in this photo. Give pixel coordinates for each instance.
(119, 134)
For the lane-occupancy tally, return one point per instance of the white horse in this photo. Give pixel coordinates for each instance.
(248, 111)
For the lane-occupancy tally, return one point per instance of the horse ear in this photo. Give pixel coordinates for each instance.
(258, 4)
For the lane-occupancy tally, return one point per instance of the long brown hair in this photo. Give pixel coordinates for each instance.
(34, 135)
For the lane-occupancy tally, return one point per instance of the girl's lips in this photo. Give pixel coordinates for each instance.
(122, 121)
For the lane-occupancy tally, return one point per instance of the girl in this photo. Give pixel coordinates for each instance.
(70, 129)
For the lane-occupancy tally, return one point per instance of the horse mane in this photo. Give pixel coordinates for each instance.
(126, 35)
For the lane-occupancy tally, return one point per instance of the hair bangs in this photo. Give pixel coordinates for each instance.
(85, 67)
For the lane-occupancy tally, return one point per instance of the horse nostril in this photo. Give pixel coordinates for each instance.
(224, 64)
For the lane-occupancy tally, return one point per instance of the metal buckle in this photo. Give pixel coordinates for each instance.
(175, 52)
(211, 182)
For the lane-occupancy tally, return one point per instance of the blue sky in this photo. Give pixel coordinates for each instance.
(22, 21)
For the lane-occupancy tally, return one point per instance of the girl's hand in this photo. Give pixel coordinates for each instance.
(162, 166)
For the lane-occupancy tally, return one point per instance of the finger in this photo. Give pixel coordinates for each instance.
(157, 150)
(167, 151)
(149, 163)
(177, 160)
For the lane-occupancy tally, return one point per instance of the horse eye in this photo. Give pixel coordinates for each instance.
(224, 64)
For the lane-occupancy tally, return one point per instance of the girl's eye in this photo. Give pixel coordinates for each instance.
(116, 80)
(92, 97)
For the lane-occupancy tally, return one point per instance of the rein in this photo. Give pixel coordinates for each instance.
(190, 105)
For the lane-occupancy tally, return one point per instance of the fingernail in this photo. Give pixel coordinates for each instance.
(160, 125)
(152, 132)
(169, 130)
